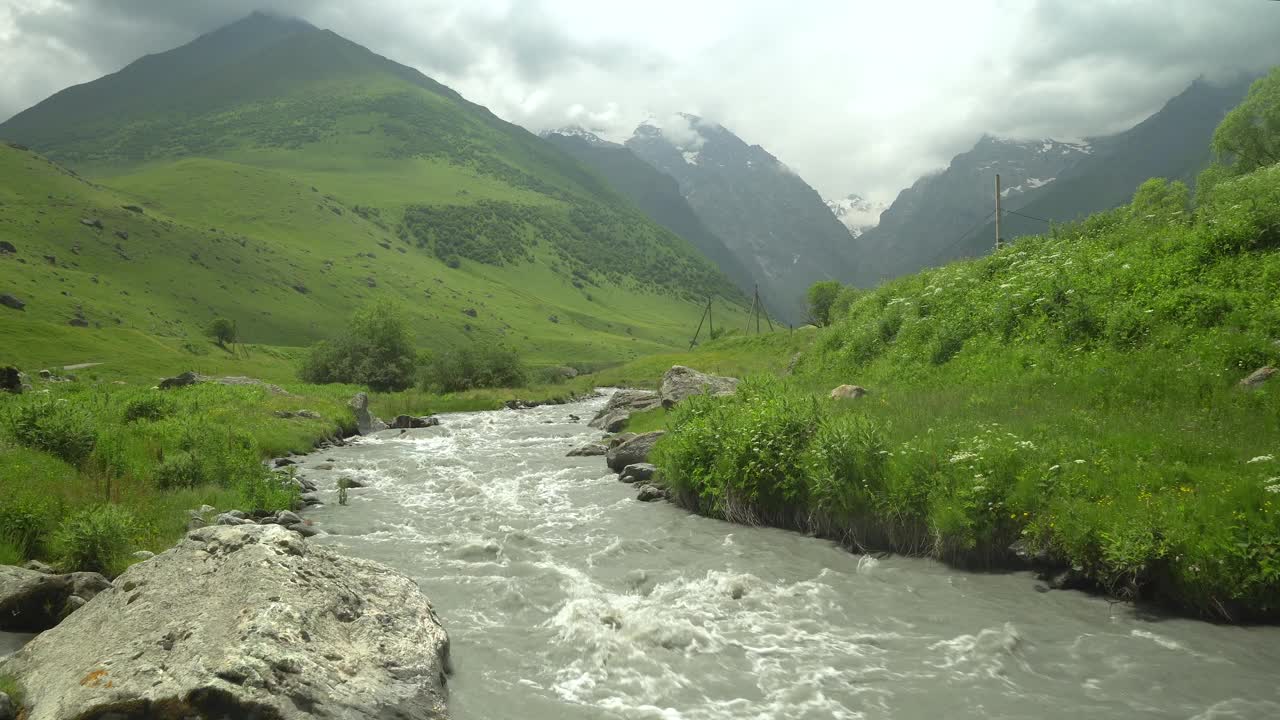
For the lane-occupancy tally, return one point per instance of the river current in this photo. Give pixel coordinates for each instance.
(566, 598)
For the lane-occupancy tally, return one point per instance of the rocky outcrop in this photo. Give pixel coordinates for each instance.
(366, 423)
(848, 392)
(12, 302)
(615, 413)
(33, 601)
(637, 472)
(635, 450)
(185, 379)
(409, 422)
(680, 382)
(10, 380)
(1257, 378)
(242, 622)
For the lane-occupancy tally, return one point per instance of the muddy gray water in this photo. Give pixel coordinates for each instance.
(566, 598)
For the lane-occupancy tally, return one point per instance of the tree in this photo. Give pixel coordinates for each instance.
(477, 366)
(1160, 201)
(821, 296)
(222, 331)
(1249, 136)
(375, 350)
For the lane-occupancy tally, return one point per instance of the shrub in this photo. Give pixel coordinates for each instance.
(1243, 213)
(178, 470)
(375, 351)
(266, 491)
(476, 366)
(821, 296)
(151, 406)
(24, 525)
(96, 539)
(58, 427)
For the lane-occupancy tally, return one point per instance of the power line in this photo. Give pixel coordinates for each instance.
(965, 236)
(1029, 217)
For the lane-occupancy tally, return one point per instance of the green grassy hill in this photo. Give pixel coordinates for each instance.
(287, 176)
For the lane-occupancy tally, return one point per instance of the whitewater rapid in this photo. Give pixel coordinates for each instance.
(567, 598)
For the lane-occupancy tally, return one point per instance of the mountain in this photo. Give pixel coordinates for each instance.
(1173, 143)
(656, 194)
(774, 222)
(857, 213)
(928, 218)
(947, 215)
(285, 175)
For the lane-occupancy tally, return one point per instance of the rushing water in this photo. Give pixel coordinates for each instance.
(567, 598)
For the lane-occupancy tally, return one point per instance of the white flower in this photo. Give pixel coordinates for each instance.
(1261, 458)
(962, 456)
(1273, 487)
(1079, 462)
(1055, 468)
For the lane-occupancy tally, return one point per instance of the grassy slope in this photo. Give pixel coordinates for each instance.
(1076, 391)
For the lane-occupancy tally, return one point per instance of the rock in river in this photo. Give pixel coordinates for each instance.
(32, 601)
(614, 415)
(366, 423)
(242, 622)
(635, 450)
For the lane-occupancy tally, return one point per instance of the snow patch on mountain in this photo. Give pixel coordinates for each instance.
(857, 213)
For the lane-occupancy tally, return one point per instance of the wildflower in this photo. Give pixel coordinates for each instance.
(1261, 458)
(1055, 468)
(1079, 462)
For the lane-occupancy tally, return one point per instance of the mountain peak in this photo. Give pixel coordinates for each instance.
(576, 131)
(857, 213)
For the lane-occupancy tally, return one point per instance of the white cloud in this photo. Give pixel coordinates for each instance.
(855, 95)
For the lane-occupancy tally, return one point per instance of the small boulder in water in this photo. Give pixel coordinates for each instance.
(591, 449)
(637, 472)
(649, 493)
(635, 450)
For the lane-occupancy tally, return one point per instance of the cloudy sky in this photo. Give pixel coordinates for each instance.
(855, 95)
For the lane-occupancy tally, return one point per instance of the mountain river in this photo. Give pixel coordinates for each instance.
(567, 598)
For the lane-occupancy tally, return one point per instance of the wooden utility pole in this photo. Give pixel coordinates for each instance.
(754, 299)
(706, 313)
(998, 213)
(756, 304)
(711, 324)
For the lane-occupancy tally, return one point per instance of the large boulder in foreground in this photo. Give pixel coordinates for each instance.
(635, 450)
(680, 382)
(1257, 378)
(615, 413)
(242, 622)
(33, 601)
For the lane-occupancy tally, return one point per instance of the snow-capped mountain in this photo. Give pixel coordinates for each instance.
(577, 131)
(770, 219)
(857, 213)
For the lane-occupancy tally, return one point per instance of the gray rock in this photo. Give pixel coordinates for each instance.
(284, 517)
(91, 222)
(10, 301)
(591, 449)
(39, 567)
(366, 423)
(308, 414)
(848, 392)
(635, 450)
(564, 372)
(229, 519)
(8, 711)
(283, 462)
(637, 472)
(649, 493)
(680, 382)
(243, 622)
(409, 422)
(615, 413)
(143, 555)
(620, 438)
(7, 248)
(1257, 378)
(10, 380)
(207, 509)
(304, 530)
(33, 601)
(177, 381)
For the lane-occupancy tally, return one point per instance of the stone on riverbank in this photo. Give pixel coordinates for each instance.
(409, 422)
(246, 621)
(615, 413)
(681, 382)
(591, 449)
(649, 493)
(635, 450)
(637, 472)
(33, 601)
(848, 392)
(366, 423)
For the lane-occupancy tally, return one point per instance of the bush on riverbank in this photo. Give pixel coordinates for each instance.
(474, 367)
(89, 473)
(375, 350)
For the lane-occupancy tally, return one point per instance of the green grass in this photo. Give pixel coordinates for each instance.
(1076, 391)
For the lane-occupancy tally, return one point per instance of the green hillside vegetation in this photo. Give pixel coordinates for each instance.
(1077, 393)
(283, 177)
